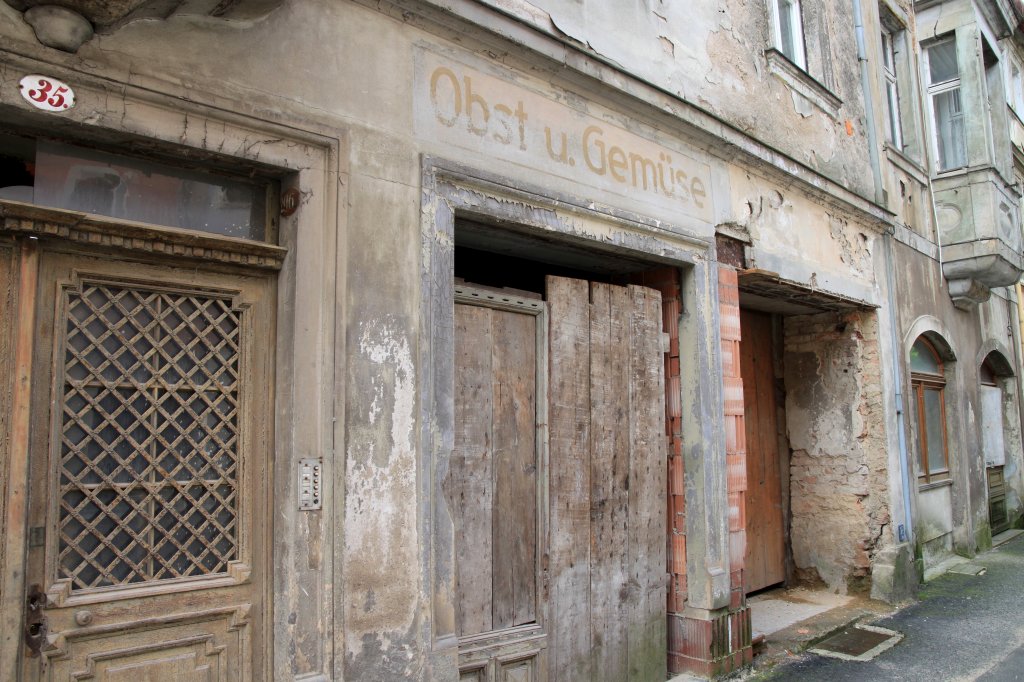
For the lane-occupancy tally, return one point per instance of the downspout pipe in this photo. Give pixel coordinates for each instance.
(874, 148)
(897, 378)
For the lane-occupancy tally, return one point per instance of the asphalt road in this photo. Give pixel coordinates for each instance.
(964, 628)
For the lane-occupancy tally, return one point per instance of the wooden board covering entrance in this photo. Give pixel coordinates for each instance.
(494, 469)
(595, 607)
(607, 565)
(765, 559)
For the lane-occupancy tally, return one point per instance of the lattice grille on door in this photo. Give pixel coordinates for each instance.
(148, 467)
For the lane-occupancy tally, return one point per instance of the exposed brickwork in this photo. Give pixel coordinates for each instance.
(839, 503)
(723, 643)
(735, 428)
(710, 647)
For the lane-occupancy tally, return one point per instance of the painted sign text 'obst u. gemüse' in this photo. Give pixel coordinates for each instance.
(464, 107)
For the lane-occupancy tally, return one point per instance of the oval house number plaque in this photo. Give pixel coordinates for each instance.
(48, 94)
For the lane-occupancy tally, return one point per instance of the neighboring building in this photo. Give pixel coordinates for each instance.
(494, 339)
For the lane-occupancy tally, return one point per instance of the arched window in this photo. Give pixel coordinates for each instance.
(928, 382)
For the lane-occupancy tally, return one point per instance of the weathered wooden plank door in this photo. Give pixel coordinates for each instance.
(765, 559)
(560, 559)
(993, 448)
(607, 483)
(148, 467)
(494, 489)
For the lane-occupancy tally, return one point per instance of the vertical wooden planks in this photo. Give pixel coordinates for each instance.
(765, 561)
(647, 485)
(608, 483)
(569, 471)
(514, 379)
(609, 410)
(470, 484)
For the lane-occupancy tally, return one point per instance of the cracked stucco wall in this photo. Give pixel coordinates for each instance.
(800, 239)
(838, 466)
(713, 55)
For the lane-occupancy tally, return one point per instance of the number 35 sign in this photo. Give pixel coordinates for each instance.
(48, 94)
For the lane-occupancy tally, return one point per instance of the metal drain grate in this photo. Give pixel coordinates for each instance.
(858, 643)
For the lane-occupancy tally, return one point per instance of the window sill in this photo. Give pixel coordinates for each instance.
(802, 82)
(1018, 116)
(905, 163)
(922, 487)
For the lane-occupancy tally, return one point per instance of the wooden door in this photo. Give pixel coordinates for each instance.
(765, 559)
(607, 483)
(560, 559)
(148, 470)
(494, 489)
(994, 449)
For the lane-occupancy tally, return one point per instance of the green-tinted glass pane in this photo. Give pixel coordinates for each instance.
(922, 359)
(936, 430)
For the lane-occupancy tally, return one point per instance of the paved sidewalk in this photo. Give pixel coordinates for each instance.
(965, 628)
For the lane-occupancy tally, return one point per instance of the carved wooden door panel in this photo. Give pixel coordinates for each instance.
(149, 456)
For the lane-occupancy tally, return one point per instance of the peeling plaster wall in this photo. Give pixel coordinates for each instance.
(838, 466)
(713, 55)
(801, 239)
(380, 519)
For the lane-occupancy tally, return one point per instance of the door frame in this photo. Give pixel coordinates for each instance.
(312, 157)
(451, 189)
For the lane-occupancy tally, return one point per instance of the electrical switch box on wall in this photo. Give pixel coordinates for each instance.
(310, 484)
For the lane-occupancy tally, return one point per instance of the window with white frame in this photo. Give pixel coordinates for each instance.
(893, 128)
(788, 30)
(1015, 86)
(946, 106)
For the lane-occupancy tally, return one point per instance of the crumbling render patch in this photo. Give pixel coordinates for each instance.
(668, 46)
(839, 506)
(854, 249)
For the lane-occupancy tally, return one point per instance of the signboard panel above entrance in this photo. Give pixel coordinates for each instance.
(552, 131)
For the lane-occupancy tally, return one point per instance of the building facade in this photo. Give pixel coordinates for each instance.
(494, 339)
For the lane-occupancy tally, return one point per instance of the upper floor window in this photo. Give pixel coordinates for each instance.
(947, 110)
(928, 384)
(893, 128)
(788, 30)
(60, 175)
(1015, 86)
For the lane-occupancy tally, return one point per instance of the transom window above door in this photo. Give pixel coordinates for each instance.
(60, 175)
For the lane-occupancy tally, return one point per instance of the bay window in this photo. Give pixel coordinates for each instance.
(947, 108)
